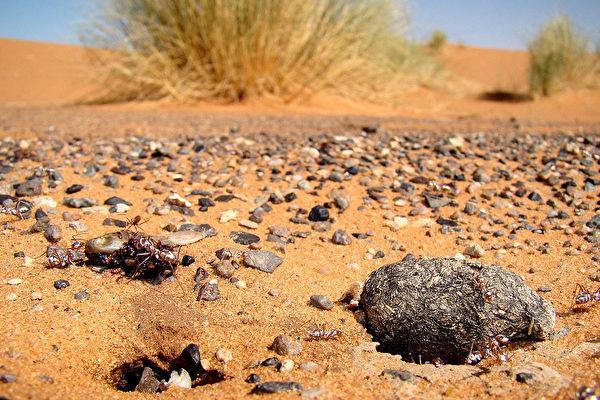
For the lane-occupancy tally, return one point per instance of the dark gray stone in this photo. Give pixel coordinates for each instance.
(244, 238)
(276, 387)
(206, 229)
(53, 233)
(79, 202)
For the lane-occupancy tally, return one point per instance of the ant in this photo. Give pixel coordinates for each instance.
(22, 209)
(135, 222)
(495, 346)
(583, 296)
(324, 334)
(487, 294)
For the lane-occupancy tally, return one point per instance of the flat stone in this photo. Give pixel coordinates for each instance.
(276, 387)
(148, 382)
(209, 291)
(244, 238)
(81, 202)
(262, 260)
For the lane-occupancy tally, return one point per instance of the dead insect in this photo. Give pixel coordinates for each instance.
(62, 257)
(21, 209)
(324, 334)
(141, 257)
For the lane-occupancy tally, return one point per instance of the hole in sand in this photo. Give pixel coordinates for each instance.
(127, 377)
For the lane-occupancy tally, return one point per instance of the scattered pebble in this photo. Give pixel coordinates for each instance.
(321, 302)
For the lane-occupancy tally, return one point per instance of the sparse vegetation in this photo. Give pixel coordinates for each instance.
(231, 50)
(560, 58)
(438, 40)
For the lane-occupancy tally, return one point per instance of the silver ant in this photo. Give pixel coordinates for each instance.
(583, 296)
(21, 209)
(494, 346)
(324, 334)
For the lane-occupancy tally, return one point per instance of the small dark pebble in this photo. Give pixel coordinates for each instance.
(318, 213)
(114, 222)
(19, 254)
(208, 292)
(53, 233)
(114, 200)
(253, 378)
(8, 378)
(224, 198)
(61, 284)
(186, 261)
(523, 377)
(276, 387)
(73, 189)
(271, 362)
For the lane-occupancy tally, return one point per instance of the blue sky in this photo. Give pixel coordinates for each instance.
(486, 23)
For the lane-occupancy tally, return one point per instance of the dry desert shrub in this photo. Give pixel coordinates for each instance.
(232, 50)
(560, 58)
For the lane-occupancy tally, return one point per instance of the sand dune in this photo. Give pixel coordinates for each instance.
(42, 74)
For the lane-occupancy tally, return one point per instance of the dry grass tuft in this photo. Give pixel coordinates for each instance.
(438, 40)
(560, 58)
(232, 50)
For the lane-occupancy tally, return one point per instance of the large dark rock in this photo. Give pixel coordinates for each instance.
(436, 307)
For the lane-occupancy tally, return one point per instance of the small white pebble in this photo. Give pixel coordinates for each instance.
(229, 215)
(36, 295)
(14, 281)
(224, 355)
(27, 261)
(240, 284)
(11, 297)
(286, 365)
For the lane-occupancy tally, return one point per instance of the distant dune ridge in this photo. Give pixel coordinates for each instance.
(36, 73)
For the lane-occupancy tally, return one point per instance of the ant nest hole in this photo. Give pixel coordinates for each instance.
(146, 375)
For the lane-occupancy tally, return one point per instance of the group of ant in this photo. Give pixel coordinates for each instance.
(140, 257)
(492, 347)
